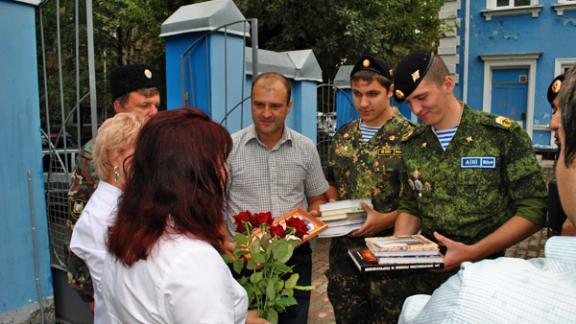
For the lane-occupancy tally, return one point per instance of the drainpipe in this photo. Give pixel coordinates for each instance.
(39, 295)
(466, 50)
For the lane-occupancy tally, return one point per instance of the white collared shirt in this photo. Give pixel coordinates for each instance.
(505, 290)
(183, 280)
(89, 237)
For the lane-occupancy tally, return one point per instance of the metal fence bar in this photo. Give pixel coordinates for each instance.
(91, 67)
(44, 76)
(60, 79)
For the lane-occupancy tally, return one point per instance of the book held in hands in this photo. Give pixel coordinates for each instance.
(397, 253)
(364, 262)
(343, 216)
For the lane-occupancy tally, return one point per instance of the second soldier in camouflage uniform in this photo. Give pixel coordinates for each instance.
(364, 167)
(476, 192)
(134, 88)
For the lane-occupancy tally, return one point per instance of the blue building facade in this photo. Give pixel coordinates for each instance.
(504, 54)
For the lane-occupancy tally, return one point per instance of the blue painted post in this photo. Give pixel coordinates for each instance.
(304, 112)
(21, 151)
(207, 58)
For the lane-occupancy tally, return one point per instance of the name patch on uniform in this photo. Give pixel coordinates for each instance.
(478, 162)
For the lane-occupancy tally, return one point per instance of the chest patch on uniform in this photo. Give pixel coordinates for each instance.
(478, 162)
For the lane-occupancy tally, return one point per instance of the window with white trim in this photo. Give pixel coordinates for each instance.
(512, 8)
(507, 4)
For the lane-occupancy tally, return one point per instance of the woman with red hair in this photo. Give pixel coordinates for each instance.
(165, 245)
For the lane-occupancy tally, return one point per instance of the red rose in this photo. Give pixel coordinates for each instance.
(299, 225)
(277, 230)
(240, 219)
(261, 218)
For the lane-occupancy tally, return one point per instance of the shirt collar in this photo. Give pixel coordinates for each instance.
(252, 136)
(561, 248)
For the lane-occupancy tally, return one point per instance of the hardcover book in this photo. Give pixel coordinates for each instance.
(401, 243)
(344, 206)
(366, 262)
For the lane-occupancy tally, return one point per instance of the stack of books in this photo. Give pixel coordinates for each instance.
(397, 253)
(343, 217)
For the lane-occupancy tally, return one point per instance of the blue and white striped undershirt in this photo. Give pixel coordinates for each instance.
(368, 132)
(445, 136)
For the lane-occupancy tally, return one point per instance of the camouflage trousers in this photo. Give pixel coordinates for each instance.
(372, 297)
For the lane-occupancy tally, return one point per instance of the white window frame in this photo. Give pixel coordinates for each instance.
(492, 4)
(564, 5)
(491, 10)
(511, 61)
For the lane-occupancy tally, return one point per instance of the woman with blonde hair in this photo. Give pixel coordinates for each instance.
(113, 148)
(165, 245)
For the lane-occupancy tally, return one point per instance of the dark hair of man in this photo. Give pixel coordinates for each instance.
(568, 113)
(368, 76)
(146, 92)
(437, 71)
(176, 184)
(269, 76)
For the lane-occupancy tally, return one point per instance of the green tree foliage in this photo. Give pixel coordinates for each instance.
(339, 31)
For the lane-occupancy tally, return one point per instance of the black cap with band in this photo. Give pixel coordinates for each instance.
(410, 72)
(132, 77)
(554, 88)
(374, 64)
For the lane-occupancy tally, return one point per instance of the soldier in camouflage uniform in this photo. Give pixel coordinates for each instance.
(365, 169)
(477, 193)
(134, 88)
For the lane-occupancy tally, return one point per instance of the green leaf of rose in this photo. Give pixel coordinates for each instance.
(291, 282)
(271, 291)
(272, 316)
(256, 277)
(282, 250)
(238, 265)
(286, 301)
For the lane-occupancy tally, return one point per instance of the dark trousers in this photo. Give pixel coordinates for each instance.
(302, 262)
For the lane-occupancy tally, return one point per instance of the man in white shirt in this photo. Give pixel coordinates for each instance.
(508, 290)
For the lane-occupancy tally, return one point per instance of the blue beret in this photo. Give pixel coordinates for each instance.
(132, 77)
(410, 72)
(374, 64)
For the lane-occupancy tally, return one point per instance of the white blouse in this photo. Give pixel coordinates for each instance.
(184, 280)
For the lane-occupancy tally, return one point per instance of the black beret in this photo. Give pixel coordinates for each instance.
(132, 77)
(554, 88)
(374, 64)
(410, 72)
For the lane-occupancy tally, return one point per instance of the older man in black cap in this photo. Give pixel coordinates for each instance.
(473, 182)
(365, 163)
(134, 88)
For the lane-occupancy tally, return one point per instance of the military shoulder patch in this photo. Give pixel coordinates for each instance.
(497, 121)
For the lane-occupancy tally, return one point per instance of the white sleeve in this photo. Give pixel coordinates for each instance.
(86, 244)
(435, 308)
(202, 290)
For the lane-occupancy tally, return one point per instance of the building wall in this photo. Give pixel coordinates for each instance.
(20, 152)
(548, 36)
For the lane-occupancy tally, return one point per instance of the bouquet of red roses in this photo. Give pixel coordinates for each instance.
(263, 246)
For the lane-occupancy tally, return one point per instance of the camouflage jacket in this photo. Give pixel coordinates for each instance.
(361, 170)
(84, 182)
(487, 174)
